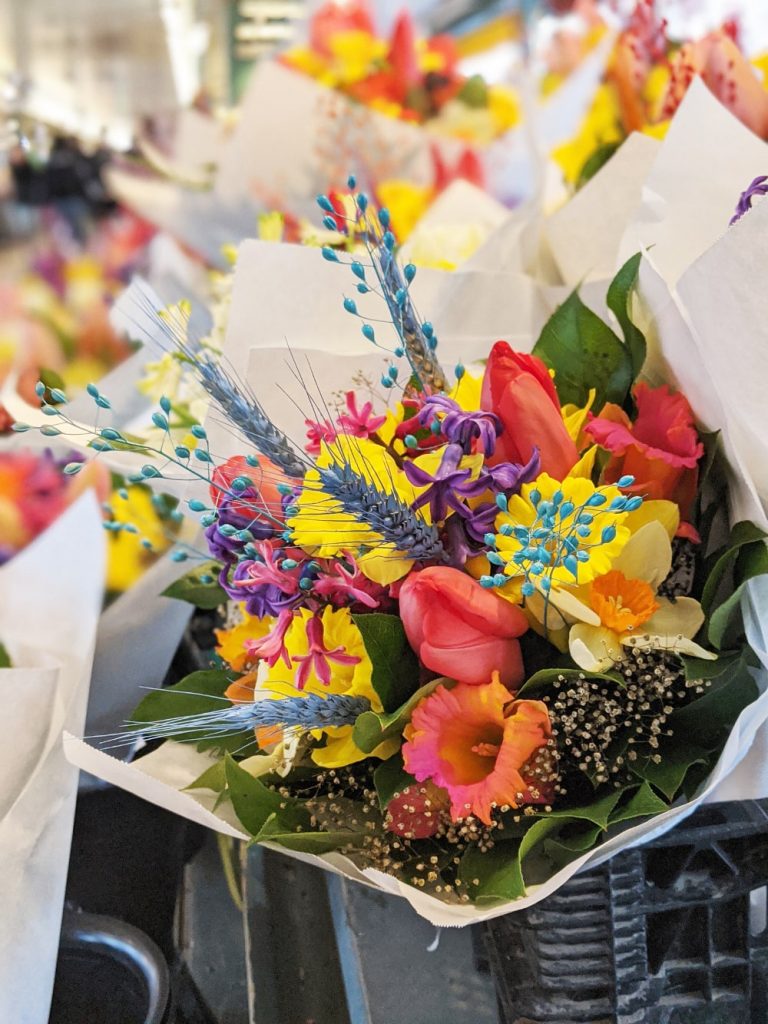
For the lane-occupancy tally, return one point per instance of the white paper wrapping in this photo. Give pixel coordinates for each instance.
(50, 599)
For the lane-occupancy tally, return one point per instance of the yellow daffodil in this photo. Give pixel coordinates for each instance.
(321, 526)
(127, 557)
(355, 55)
(351, 677)
(602, 125)
(622, 608)
(444, 246)
(270, 226)
(532, 530)
(504, 108)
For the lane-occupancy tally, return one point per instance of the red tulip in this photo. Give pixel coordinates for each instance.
(519, 390)
(460, 629)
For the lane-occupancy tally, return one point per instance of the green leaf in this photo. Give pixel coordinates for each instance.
(395, 666)
(190, 587)
(725, 624)
(196, 694)
(255, 804)
(584, 353)
(711, 716)
(595, 162)
(213, 778)
(643, 804)
(372, 728)
(667, 776)
(547, 680)
(491, 876)
(5, 658)
(742, 534)
(390, 778)
(273, 831)
(597, 813)
(619, 301)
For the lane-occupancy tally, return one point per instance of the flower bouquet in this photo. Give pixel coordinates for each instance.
(647, 77)
(36, 488)
(476, 632)
(50, 599)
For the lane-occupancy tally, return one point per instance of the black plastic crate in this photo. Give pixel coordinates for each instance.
(673, 932)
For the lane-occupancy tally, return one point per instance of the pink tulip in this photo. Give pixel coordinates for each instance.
(461, 630)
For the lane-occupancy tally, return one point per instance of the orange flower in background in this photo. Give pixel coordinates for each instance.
(461, 630)
(661, 449)
(520, 391)
(333, 18)
(475, 742)
(727, 74)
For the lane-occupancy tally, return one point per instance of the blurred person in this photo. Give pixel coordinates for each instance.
(64, 175)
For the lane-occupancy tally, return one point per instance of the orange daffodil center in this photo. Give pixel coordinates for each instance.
(622, 604)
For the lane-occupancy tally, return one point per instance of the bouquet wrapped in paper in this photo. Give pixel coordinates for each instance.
(50, 599)
(398, 112)
(485, 626)
(39, 486)
(646, 78)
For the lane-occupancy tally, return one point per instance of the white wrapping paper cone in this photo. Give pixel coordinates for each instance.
(50, 599)
(706, 160)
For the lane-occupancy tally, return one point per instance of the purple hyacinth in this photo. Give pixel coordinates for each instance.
(460, 427)
(758, 187)
(225, 546)
(447, 487)
(510, 476)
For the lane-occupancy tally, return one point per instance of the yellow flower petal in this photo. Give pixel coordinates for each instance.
(681, 617)
(647, 555)
(665, 512)
(594, 648)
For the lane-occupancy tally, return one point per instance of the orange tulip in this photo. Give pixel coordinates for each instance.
(520, 391)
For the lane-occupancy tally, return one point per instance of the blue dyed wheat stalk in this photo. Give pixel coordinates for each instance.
(398, 298)
(246, 414)
(384, 513)
(306, 713)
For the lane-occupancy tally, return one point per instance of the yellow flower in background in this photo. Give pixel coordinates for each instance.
(355, 54)
(601, 126)
(128, 557)
(504, 107)
(407, 203)
(445, 246)
(78, 373)
(304, 59)
(270, 226)
(331, 643)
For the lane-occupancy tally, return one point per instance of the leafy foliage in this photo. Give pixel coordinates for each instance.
(395, 667)
(200, 587)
